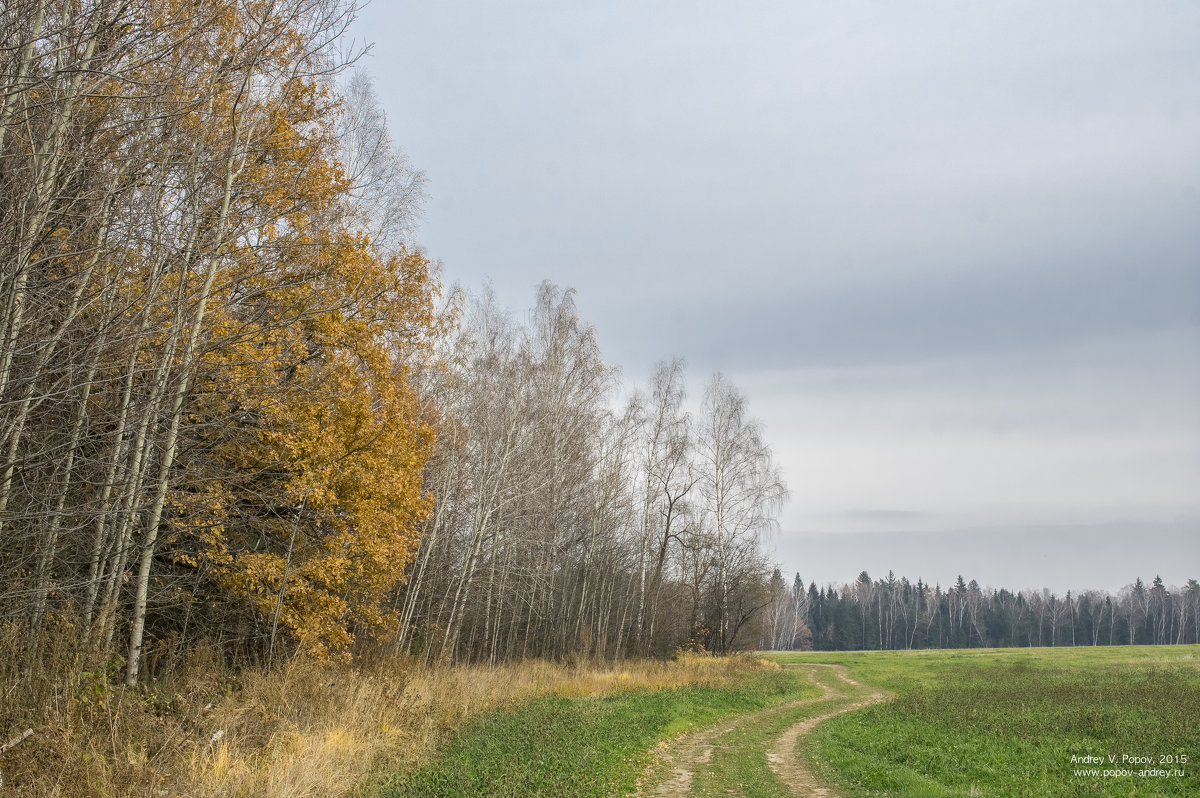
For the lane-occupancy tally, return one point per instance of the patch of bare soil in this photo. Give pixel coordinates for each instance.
(682, 756)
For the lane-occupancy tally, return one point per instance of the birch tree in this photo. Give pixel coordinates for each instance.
(741, 489)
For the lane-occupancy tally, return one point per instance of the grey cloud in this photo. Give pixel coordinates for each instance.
(964, 234)
(786, 183)
(886, 516)
(929, 317)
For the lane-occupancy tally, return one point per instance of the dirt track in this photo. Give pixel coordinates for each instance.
(782, 757)
(685, 755)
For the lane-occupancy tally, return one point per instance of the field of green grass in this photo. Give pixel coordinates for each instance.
(584, 746)
(1010, 721)
(1111, 721)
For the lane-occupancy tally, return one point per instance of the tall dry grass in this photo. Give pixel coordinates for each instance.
(305, 729)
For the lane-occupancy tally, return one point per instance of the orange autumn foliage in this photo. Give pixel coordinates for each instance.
(305, 494)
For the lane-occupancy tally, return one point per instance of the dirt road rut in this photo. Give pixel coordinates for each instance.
(682, 758)
(783, 759)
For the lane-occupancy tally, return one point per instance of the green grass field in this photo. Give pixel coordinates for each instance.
(584, 746)
(982, 722)
(1008, 722)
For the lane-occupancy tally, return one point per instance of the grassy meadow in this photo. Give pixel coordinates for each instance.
(586, 745)
(983, 722)
(987, 722)
(1009, 721)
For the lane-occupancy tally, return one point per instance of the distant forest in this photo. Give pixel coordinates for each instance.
(891, 613)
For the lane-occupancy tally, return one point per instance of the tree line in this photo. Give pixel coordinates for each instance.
(891, 613)
(236, 405)
(567, 523)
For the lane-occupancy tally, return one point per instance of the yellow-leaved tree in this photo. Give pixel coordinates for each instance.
(207, 320)
(304, 492)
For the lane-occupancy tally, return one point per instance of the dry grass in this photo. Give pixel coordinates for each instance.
(306, 729)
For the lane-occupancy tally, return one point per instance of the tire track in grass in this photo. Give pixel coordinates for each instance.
(787, 764)
(684, 756)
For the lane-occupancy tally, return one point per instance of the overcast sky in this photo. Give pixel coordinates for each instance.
(950, 251)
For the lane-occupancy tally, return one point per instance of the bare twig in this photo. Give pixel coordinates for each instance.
(14, 742)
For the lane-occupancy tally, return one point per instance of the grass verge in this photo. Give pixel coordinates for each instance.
(583, 747)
